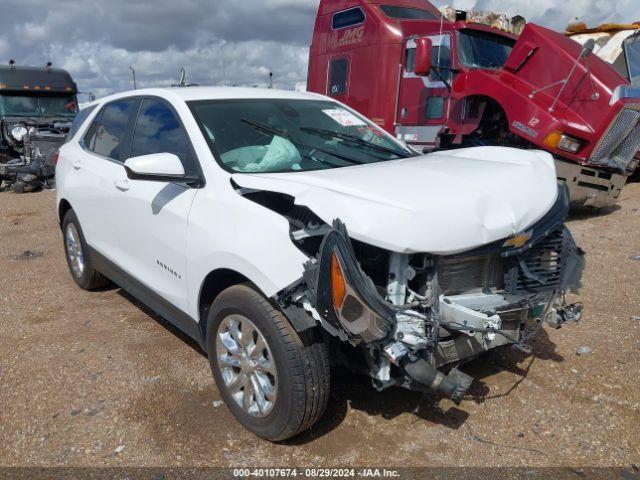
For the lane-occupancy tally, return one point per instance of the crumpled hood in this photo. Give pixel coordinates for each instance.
(441, 203)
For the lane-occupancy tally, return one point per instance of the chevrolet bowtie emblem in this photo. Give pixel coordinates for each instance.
(518, 241)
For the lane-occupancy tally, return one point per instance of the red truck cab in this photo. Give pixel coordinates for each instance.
(440, 84)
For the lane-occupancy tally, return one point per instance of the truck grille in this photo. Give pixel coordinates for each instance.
(621, 142)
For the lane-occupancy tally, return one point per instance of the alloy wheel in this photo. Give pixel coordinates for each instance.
(246, 365)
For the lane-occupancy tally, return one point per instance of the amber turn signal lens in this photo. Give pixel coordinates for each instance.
(338, 286)
(553, 139)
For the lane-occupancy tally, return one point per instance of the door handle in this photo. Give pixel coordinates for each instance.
(76, 164)
(122, 185)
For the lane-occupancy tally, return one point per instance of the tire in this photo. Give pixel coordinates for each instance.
(302, 376)
(87, 278)
(18, 187)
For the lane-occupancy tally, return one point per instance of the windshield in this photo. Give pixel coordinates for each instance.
(280, 135)
(406, 13)
(484, 50)
(41, 106)
(632, 52)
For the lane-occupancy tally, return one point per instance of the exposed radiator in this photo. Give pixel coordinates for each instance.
(537, 270)
(458, 275)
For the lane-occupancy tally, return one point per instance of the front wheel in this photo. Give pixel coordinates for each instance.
(275, 381)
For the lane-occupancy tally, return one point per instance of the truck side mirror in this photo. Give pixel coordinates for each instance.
(423, 57)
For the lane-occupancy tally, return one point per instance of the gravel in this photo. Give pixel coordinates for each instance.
(584, 350)
(133, 380)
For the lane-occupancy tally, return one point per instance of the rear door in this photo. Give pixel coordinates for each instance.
(95, 168)
(423, 101)
(152, 216)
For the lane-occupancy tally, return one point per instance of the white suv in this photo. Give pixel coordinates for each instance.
(271, 226)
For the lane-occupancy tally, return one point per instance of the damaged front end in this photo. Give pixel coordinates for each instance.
(27, 148)
(416, 317)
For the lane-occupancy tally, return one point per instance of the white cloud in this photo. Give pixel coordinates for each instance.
(224, 41)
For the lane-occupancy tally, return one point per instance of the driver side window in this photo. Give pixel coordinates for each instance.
(440, 57)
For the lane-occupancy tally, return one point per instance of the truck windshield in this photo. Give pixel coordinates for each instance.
(40, 106)
(406, 13)
(632, 53)
(484, 50)
(282, 135)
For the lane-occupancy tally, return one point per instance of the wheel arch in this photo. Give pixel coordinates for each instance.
(487, 103)
(63, 207)
(214, 283)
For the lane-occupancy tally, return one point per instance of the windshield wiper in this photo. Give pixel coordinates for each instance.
(264, 128)
(268, 129)
(355, 140)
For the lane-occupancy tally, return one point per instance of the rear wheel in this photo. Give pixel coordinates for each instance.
(275, 381)
(78, 259)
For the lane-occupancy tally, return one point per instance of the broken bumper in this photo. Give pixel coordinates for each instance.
(406, 344)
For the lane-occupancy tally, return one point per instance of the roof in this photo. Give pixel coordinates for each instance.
(41, 79)
(331, 6)
(188, 94)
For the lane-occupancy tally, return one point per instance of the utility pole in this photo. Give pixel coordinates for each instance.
(224, 65)
(133, 73)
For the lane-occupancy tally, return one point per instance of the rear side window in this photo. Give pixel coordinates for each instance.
(404, 13)
(338, 76)
(79, 120)
(348, 18)
(108, 132)
(158, 130)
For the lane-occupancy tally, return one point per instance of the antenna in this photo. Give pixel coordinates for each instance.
(440, 41)
(133, 73)
(182, 80)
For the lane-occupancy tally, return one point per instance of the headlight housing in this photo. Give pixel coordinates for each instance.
(569, 144)
(562, 141)
(18, 132)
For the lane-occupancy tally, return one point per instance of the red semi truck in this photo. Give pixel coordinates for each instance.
(440, 84)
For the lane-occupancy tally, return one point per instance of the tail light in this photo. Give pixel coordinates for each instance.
(54, 157)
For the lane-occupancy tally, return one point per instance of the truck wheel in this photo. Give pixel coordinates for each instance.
(275, 381)
(77, 254)
(18, 187)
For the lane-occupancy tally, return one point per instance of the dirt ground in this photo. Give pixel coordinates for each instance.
(94, 379)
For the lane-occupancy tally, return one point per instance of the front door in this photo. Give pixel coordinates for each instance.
(423, 102)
